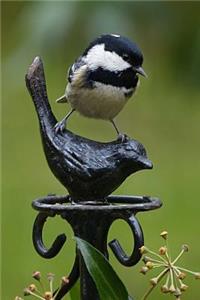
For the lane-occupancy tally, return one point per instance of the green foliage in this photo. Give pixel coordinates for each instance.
(109, 286)
(75, 291)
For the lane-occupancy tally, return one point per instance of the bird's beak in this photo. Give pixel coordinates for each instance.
(140, 71)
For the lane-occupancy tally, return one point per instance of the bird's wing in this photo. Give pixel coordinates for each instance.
(70, 73)
(76, 162)
(76, 66)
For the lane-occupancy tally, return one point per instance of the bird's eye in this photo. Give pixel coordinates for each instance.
(125, 57)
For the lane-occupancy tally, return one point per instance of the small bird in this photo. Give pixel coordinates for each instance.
(103, 78)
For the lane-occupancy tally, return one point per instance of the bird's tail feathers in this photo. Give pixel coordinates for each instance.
(62, 99)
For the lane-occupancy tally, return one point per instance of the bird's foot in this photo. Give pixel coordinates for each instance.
(60, 126)
(122, 137)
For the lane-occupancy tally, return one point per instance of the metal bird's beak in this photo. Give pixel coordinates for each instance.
(140, 71)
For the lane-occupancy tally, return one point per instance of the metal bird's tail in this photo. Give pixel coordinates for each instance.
(35, 82)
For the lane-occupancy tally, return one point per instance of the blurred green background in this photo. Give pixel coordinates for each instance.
(164, 116)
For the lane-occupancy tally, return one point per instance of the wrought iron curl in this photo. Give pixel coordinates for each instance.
(138, 237)
(53, 250)
(38, 240)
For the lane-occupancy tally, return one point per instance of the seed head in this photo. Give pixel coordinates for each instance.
(197, 275)
(174, 273)
(145, 259)
(144, 270)
(64, 280)
(185, 248)
(48, 296)
(172, 289)
(177, 293)
(50, 276)
(162, 250)
(154, 281)
(32, 287)
(181, 275)
(36, 275)
(164, 234)
(165, 289)
(149, 265)
(183, 287)
(27, 292)
(143, 250)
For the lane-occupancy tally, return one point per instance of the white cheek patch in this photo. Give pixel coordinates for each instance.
(111, 61)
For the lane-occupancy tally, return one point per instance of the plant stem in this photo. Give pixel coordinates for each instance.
(177, 258)
(162, 274)
(35, 295)
(160, 257)
(155, 260)
(185, 270)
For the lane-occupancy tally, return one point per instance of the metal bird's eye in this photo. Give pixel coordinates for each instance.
(125, 56)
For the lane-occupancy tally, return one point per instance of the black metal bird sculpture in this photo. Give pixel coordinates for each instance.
(89, 170)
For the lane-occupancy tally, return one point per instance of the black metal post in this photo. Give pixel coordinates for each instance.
(91, 222)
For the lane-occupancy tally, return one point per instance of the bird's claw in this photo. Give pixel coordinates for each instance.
(60, 127)
(122, 137)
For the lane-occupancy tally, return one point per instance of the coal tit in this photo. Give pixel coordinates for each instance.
(103, 78)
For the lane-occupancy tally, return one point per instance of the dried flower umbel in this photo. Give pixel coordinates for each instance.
(173, 273)
(42, 293)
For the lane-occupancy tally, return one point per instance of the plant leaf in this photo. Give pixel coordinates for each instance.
(109, 285)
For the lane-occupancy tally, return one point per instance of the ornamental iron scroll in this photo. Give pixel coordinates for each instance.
(91, 222)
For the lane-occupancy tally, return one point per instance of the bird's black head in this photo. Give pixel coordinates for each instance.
(126, 53)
